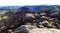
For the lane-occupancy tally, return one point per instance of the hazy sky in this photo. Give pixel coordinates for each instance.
(28, 2)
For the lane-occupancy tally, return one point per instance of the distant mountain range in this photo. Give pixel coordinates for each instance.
(17, 7)
(36, 7)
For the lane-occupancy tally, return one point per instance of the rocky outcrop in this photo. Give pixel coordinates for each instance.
(33, 29)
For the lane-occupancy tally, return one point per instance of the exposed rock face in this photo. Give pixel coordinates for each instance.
(24, 29)
(44, 30)
(33, 29)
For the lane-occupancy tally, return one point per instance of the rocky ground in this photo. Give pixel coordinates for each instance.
(34, 29)
(29, 21)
